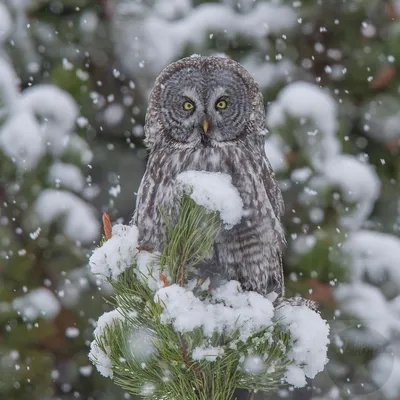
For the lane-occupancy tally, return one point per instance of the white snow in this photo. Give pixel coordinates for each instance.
(308, 346)
(305, 100)
(274, 149)
(268, 74)
(89, 21)
(381, 117)
(117, 254)
(8, 87)
(35, 234)
(147, 389)
(253, 364)
(39, 121)
(48, 102)
(303, 244)
(215, 192)
(160, 41)
(113, 114)
(71, 332)
(172, 9)
(76, 145)
(308, 103)
(120, 253)
(5, 23)
(86, 370)
(230, 310)
(301, 175)
(100, 358)
(373, 255)
(385, 372)
(359, 184)
(82, 121)
(67, 175)
(371, 312)
(55, 110)
(37, 303)
(21, 141)
(207, 353)
(80, 222)
(140, 346)
(147, 267)
(114, 191)
(295, 376)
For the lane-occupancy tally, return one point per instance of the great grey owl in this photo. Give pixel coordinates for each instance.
(207, 114)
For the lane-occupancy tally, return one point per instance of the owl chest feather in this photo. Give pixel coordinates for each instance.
(241, 252)
(246, 175)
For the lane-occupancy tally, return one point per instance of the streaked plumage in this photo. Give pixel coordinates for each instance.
(251, 252)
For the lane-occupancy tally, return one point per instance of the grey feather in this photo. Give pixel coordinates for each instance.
(251, 252)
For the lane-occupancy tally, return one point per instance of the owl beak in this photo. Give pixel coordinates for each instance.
(205, 126)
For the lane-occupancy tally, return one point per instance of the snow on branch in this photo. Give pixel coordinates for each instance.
(21, 141)
(36, 132)
(173, 336)
(215, 192)
(374, 257)
(159, 40)
(37, 121)
(37, 303)
(359, 185)
(80, 223)
(316, 111)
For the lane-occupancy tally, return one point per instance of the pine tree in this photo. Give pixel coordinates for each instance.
(173, 336)
(338, 160)
(45, 222)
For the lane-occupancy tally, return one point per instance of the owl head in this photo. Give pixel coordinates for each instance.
(204, 101)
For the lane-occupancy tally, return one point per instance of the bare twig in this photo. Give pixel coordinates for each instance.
(107, 226)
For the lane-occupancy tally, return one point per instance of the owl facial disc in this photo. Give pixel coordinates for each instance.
(205, 106)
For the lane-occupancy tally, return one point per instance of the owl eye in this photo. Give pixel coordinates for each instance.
(221, 104)
(188, 106)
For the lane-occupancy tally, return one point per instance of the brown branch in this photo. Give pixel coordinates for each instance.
(107, 225)
(164, 279)
(383, 77)
(190, 365)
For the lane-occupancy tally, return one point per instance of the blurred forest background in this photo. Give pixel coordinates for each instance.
(75, 76)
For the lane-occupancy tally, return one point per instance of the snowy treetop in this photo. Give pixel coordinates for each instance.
(162, 35)
(238, 317)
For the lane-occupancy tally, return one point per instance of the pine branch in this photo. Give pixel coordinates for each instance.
(149, 354)
(189, 239)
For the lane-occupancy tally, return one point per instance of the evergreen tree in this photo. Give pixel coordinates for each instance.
(173, 335)
(46, 221)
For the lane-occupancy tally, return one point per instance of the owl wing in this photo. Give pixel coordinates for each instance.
(276, 278)
(272, 188)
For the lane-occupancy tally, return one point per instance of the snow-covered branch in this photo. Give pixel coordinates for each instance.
(173, 338)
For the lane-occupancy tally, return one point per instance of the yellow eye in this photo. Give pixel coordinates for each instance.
(188, 105)
(221, 105)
